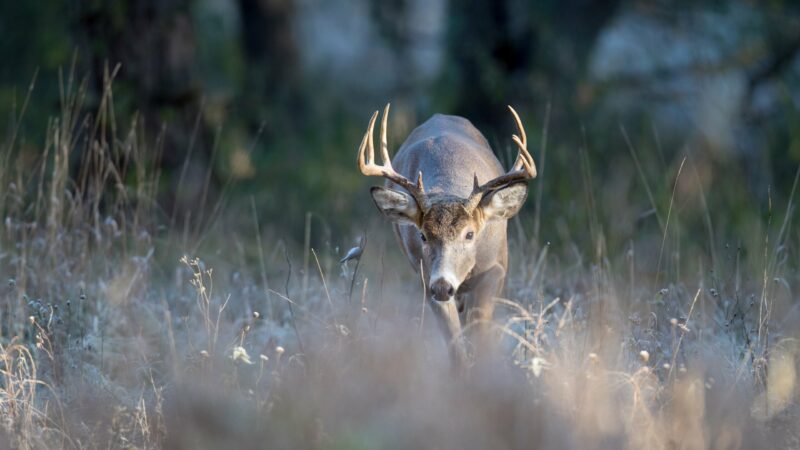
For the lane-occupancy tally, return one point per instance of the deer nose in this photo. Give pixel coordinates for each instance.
(442, 290)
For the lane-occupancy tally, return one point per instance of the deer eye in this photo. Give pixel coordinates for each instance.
(422, 236)
(470, 235)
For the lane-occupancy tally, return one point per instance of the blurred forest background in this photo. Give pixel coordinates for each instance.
(267, 101)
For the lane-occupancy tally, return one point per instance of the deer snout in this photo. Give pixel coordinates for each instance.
(442, 290)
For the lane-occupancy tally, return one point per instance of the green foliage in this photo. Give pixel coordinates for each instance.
(240, 96)
(30, 56)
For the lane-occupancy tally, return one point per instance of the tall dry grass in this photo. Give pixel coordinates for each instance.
(120, 331)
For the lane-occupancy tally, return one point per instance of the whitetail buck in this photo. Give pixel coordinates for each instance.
(451, 222)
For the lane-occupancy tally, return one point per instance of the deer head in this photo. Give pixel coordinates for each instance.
(450, 229)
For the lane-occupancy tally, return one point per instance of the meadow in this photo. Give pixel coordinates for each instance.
(122, 326)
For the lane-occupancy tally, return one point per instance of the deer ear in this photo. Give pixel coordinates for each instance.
(398, 206)
(504, 203)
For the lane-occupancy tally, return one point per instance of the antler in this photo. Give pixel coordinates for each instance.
(366, 161)
(524, 168)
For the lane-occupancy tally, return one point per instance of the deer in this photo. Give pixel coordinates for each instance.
(451, 223)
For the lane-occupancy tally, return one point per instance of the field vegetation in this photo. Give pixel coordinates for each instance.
(654, 320)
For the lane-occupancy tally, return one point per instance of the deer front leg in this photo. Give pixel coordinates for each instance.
(447, 316)
(479, 315)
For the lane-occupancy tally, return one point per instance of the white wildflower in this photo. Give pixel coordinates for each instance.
(240, 355)
(537, 365)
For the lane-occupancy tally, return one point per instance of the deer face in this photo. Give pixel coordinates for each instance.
(449, 233)
(450, 230)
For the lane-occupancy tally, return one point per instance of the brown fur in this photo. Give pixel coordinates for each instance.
(445, 221)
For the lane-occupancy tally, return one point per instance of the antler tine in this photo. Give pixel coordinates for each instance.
(366, 162)
(384, 143)
(366, 159)
(524, 158)
(524, 167)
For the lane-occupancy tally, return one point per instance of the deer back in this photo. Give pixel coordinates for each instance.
(449, 151)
